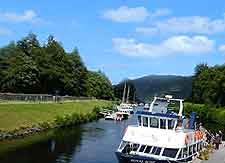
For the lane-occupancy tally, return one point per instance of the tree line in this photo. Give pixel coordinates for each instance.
(208, 85)
(27, 66)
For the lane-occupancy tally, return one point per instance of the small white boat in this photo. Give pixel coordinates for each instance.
(161, 136)
(110, 117)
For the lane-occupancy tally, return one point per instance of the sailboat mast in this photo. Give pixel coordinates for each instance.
(124, 92)
(128, 92)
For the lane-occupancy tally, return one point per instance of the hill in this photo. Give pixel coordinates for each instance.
(152, 85)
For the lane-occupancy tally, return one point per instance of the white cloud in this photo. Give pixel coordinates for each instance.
(222, 49)
(161, 12)
(4, 31)
(27, 16)
(126, 14)
(184, 25)
(174, 45)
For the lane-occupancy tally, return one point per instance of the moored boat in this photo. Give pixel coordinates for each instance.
(125, 108)
(161, 135)
(119, 116)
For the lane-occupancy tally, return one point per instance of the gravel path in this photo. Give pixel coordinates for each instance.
(218, 156)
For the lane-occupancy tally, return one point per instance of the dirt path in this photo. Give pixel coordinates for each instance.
(218, 156)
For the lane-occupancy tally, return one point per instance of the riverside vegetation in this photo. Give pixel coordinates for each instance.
(208, 96)
(27, 66)
(19, 120)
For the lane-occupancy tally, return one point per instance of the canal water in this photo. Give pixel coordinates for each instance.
(94, 142)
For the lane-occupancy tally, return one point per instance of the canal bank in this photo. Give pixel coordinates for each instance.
(20, 120)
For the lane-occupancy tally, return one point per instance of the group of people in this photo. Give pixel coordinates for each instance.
(214, 139)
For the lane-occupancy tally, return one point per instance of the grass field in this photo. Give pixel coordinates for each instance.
(13, 116)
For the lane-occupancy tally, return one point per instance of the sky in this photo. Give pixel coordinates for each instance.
(125, 38)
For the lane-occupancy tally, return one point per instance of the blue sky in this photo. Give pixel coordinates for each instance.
(125, 38)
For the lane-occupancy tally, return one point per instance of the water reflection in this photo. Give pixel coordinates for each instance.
(95, 142)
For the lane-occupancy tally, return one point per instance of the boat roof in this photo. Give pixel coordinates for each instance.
(164, 115)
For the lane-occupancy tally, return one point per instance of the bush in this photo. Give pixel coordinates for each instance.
(76, 119)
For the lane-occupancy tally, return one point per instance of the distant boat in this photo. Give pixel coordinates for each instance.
(110, 116)
(161, 136)
(125, 107)
(119, 116)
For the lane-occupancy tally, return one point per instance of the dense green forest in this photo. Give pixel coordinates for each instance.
(26, 66)
(209, 85)
(208, 91)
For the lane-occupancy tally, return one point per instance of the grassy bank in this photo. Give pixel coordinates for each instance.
(13, 116)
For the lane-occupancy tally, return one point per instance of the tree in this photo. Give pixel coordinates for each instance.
(28, 67)
(209, 85)
(28, 43)
(99, 86)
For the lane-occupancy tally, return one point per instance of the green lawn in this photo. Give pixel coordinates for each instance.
(15, 115)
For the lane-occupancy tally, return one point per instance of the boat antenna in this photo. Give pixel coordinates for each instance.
(152, 104)
(128, 92)
(124, 92)
(181, 108)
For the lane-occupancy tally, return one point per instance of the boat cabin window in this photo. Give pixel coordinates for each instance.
(127, 148)
(163, 123)
(148, 149)
(139, 120)
(190, 150)
(145, 121)
(123, 144)
(195, 148)
(180, 154)
(142, 148)
(169, 152)
(185, 152)
(154, 122)
(171, 123)
(156, 150)
(135, 147)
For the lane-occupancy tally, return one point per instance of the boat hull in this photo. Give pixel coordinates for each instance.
(124, 158)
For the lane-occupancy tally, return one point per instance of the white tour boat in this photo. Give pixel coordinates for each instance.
(161, 136)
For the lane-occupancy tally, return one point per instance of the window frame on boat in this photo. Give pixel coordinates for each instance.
(151, 122)
(139, 120)
(123, 144)
(147, 121)
(136, 148)
(148, 146)
(165, 121)
(169, 152)
(141, 145)
(190, 150)
(157, 151)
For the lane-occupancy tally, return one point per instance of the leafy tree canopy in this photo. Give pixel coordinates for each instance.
(29, 67)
